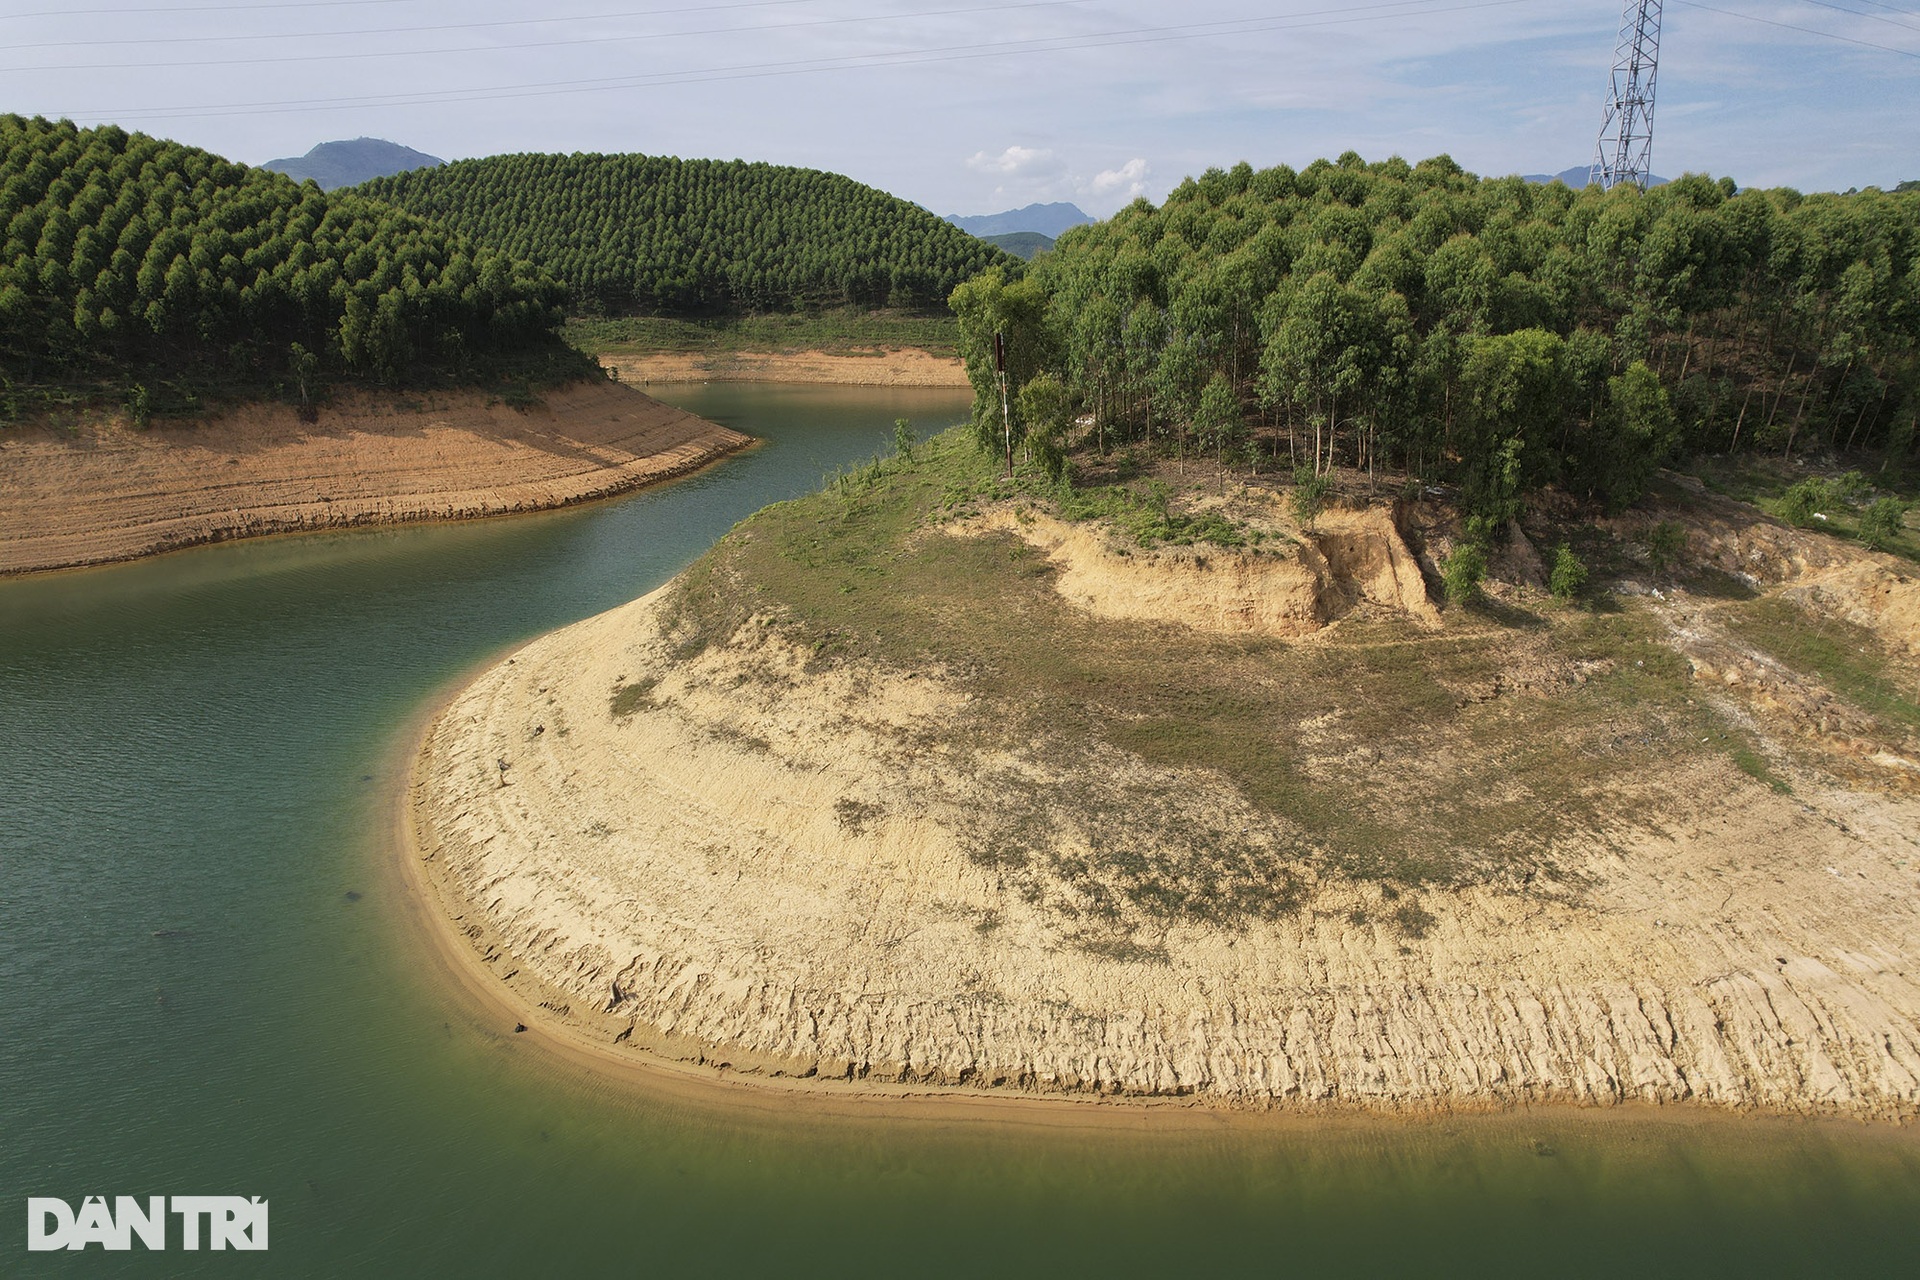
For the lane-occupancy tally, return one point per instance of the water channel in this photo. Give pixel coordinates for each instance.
(211, 983)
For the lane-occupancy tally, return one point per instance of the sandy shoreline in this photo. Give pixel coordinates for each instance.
(519, 1015)
(107, 492)
(521, 1008)
(671, 888)
(888, 367)
(558, 1047)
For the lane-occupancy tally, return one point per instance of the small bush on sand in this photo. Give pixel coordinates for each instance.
(1880, 523)
(1665, 543)
(1309, 496)
(1800, 504)
(1465, 569)
(1569, 576)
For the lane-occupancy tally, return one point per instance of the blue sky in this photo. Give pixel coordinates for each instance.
(970, 106)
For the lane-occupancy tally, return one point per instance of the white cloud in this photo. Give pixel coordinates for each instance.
(1017, 162)
(1126, 182)
(904, 98)
(1031, 175)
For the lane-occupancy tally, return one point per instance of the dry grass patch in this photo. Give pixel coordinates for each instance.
(1850, 660)
(1167, 776)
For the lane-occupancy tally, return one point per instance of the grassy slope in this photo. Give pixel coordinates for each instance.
(1764, 481)
(1846, 658)
(1386, 751)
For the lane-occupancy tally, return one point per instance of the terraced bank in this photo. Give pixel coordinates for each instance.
(908, 782)
(106, 491)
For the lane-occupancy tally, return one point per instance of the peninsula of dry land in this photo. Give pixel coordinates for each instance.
(928, 779)
(100, 491)
(845, 347)
(879, 367)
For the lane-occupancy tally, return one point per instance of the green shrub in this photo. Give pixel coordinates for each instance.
(1569, 576)
(903, 438)
(1050, 457)
(1851, 488)
(1309, 496)
(1463, 573)
(1881, 523)
(1665, 543)
(1803, 501)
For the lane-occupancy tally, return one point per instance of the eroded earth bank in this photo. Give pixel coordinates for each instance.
(900, 784)
(108, 491)
(876, 367)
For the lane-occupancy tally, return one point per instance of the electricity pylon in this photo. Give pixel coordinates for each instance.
(1625, 152)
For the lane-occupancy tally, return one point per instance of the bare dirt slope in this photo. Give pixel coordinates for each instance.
(741, 856)
(107, 491)
(888, 367)
(1351, 557)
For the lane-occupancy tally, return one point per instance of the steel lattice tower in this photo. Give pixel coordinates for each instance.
(1625, 152)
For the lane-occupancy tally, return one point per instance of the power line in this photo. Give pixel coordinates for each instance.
(806, 66)
(555, 44)
(1870, 17)
(393, 31)
(172, 9)
(1891, 8)
(1808, 31)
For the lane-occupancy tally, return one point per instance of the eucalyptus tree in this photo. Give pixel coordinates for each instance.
(665, 235)
(128, 256)
(1014, 311)
(1493, 332)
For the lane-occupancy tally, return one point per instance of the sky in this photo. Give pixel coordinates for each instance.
(975, 106)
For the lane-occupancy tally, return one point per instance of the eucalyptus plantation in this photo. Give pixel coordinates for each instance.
(1492, 333)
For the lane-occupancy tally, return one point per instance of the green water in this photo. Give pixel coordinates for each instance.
(197, 759)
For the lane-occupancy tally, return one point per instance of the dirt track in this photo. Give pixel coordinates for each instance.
(109, 492)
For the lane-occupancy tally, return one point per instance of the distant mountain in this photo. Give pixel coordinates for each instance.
(1022, 244)
(1577, 177)
(1045, 219)
(348, 164)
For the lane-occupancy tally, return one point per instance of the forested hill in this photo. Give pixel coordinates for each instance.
(131, 260)
(1496, 333)
(666, 236)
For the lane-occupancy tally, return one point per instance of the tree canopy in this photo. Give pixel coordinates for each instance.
(1490, 332)
(126, 254)
(659, 235)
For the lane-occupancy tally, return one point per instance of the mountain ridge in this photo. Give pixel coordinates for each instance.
(1578, 176)
(350, 162)
(1048, 220)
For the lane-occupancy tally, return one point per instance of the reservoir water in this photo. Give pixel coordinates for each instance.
(211, 983)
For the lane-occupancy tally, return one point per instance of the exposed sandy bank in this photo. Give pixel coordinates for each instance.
(109, 492)
(1294, 590)
(889, 367)
(1823, 574)
(746, 862)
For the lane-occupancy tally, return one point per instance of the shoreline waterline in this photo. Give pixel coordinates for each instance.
(705, 1074)
(883, 367)
(117, 495)
(213, 745)
(493, 1006)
